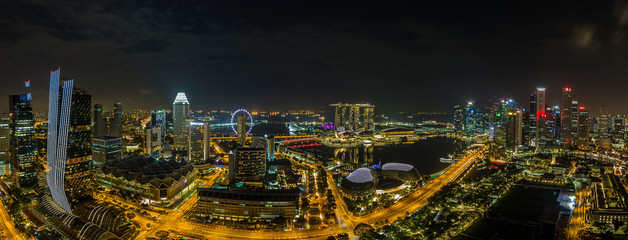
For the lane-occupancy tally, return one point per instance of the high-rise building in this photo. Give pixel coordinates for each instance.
(158, 120)
(565, 118)
(115, 129)
(180, 112)
(605, 140)
(514, 136)
(458, 119)
(106, 148)
(583, 128)
(553, 126)
(541, 118)
(619, 130)
(241, 138)
(198, 141)
(5, 144)
(154, 144)
(247, 164)
(533, 117)
(69, 152)
(100, 126)
(23, 144)
(574, 123)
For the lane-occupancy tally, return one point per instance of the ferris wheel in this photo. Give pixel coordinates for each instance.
(245, 112)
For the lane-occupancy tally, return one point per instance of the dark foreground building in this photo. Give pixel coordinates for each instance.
(237, 205)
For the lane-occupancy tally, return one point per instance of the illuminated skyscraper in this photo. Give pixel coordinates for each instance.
(5, 144)
(583, 128)
(532, 120)
(241, 138)
(115, 129)
(605, 140)
(565, 117)
(514, 135)
(69, 142)
(574, 122)
(154, 144)
(23, 144)
(158, 120)
(198, 141)
(619, 130)
(180, 112)
(100, 126)
(541, 118)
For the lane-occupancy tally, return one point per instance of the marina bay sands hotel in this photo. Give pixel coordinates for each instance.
(353, 117)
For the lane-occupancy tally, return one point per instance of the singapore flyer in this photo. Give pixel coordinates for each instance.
(241, 111)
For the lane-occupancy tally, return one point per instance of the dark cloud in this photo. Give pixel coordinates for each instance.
(414, 56)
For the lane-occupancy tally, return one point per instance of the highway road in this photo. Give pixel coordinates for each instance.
(7, 227)
(577, 220)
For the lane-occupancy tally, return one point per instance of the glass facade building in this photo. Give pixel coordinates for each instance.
(23, 144)
(180, 112)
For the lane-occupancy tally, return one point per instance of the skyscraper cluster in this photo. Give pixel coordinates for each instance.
(540, 126)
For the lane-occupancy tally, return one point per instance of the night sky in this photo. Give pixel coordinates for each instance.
(295, 55)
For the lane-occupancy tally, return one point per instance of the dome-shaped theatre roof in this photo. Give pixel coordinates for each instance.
(361, 175)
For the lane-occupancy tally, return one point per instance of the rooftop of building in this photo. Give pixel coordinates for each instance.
(147, 170)
(361, 175)
(278, 195)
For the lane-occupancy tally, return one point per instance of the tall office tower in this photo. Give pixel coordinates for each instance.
(594, 128)
(106, 148)
(100, 126)
(555, 125)
(525, 127)
(5, 144)
(198, 141)
(158, 120)
(619, 130)
(565, 118)
(180, 112)
(23, 144)
(458, 119)
(115, 129)
(69, 143)
(574, 123)
(154, 144)
(605, 140)
(541, 117)
(583, 128)
(247, 164)
(241, 138)
(514, 136)
(532, 129)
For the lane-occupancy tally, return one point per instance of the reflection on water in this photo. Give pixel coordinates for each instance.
(424, 155)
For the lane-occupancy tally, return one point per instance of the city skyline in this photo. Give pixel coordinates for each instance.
(413, 54)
